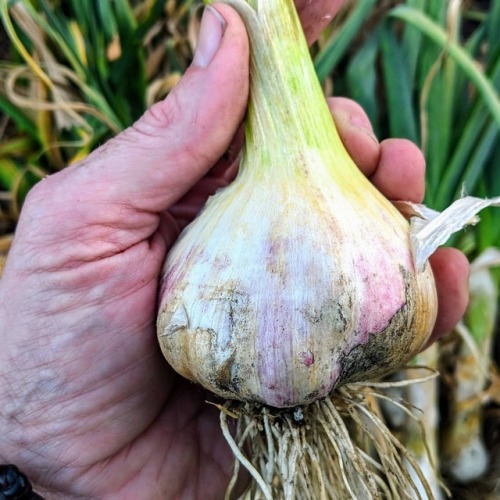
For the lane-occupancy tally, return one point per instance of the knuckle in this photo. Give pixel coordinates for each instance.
(162, 115)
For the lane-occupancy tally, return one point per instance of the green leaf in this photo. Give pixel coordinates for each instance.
(327, 58)
(475, 167)
(411, 42)
(462, 94)
(130, 97)
(124, 19)
(153, 15)
(57, 28)
(361, 77)
(462, 58)
(16, 179)
(23, 123)
(16, 146)
(398, 88)
(106, 20)
(469, 140)
(8, 173)
(493, 23)
(429, 52)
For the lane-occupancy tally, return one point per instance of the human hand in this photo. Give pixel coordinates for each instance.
(89, 406)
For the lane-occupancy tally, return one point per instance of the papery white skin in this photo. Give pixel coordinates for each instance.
(430, 229)
(282, 289)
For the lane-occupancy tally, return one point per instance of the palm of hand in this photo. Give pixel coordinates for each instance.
(103, 389)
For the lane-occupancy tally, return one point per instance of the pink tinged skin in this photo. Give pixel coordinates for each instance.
(295, 283)
(306, 358)
(275, 371)
(382, 293)
(378, 294)
(379, 265)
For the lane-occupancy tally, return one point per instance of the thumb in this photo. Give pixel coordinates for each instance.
(153, 163)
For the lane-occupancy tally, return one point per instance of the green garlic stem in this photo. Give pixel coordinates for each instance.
(287, 113)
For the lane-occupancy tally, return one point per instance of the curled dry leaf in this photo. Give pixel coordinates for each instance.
(430, 229)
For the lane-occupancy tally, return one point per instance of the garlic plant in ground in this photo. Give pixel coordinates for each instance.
(294, 287)
(417, 425)
(464, 452)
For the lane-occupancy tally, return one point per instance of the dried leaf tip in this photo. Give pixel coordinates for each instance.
(430, 229)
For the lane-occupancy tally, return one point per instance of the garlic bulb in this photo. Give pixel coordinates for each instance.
(280, 291)
(299, 276)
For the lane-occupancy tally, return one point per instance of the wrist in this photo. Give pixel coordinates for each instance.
(14, 484)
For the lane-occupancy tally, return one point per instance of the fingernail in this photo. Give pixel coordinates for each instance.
(212, 30)
(363, 125)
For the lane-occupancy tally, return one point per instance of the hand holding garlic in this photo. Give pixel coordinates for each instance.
(89, 406)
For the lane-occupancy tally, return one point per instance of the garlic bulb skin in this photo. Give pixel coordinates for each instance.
(281, 290)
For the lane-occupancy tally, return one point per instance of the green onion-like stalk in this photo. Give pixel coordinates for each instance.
(464, 451)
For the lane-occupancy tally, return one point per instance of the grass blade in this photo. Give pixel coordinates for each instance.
(16, 146)
(361, 78)
(23, 123)
(398, 88)
(330, 55)
(482, 151)
(451, 178)
(462, 58)
(411, 42)
(493, 23)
